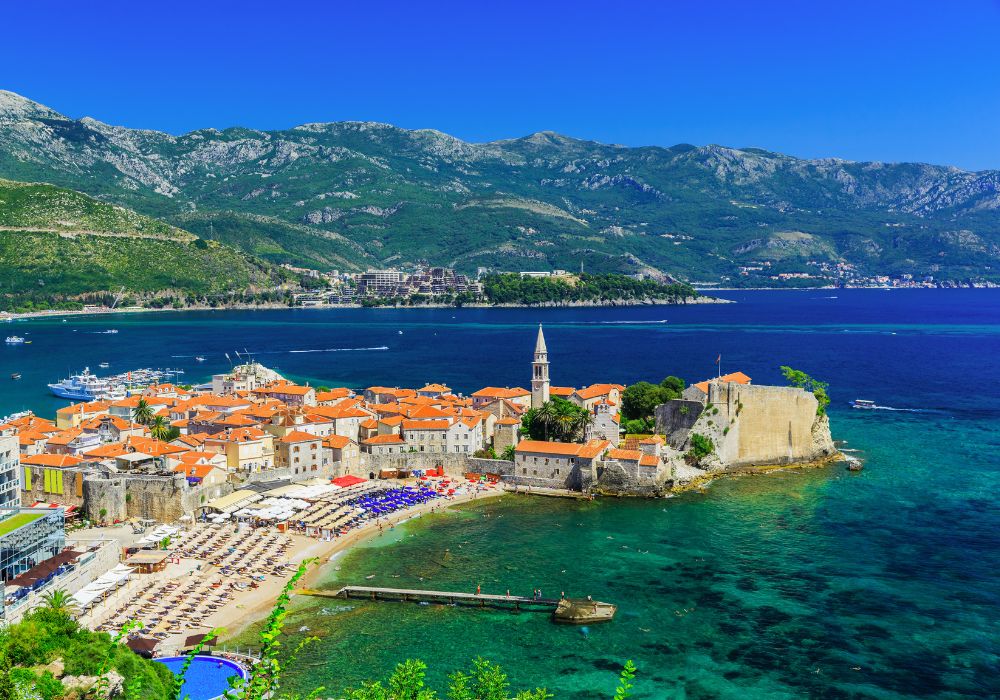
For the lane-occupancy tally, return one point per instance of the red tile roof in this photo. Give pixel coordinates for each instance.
(384, 439)
(737, 377)
(49, 460)
(299, 436)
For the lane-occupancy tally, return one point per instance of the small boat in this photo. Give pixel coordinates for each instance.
(583, 611)
(15, 416)
(14, 340)
(864, 404)
(15, 375)
(104, 365)
(400, 332)
(111, 331)
(199, 358)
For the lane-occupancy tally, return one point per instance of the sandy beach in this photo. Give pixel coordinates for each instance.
(256, 605)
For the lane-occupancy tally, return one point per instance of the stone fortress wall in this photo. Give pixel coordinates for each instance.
(750, 425)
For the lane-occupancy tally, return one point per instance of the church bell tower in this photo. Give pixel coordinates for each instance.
(540, 372)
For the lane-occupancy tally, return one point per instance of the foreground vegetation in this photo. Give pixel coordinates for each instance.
(51, 633)
(49, 637)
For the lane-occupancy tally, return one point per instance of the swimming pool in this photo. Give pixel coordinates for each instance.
(207, 677)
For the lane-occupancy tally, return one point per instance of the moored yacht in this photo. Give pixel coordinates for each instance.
(81, 387)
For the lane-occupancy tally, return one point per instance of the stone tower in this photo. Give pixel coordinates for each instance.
(540, 372)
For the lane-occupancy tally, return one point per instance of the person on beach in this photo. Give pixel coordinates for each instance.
(479, 589)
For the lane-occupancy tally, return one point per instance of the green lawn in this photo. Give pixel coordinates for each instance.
(12, 523)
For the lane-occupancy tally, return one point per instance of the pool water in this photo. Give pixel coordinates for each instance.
(207, 677)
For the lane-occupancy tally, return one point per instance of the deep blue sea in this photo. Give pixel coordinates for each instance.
(813, 583)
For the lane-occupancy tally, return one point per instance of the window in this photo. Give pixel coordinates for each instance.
(557, 472)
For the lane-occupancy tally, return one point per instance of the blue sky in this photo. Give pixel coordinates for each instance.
(874, 80)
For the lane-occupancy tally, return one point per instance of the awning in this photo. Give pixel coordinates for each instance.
(349, 480)
(196, 639)
(143, 646)
(235, 501)
(146, 557)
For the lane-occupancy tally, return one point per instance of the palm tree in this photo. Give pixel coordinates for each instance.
(143, 412)
(547, 415)
(565, 419)
(583, 420)
(61, 602)
(159, 428)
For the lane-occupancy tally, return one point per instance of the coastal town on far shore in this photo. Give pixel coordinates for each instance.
(188, 508)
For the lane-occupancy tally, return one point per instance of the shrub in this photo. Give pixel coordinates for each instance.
(701, 447)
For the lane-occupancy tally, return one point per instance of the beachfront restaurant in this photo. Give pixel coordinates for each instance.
(148, 561)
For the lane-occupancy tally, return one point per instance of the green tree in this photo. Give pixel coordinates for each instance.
(640, 400)
(558, 419)
(8, 689)
(800, 379)
(159, 427)
(60, 602)
(508, 453)
(674, 386)
(143, 412)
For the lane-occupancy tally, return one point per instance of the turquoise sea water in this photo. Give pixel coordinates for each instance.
(814, 583)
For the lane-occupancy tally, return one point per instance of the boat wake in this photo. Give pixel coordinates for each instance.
(379, 347)
(623, 323)
(876, 407)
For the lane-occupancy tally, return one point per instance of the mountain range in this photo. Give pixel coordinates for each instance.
(354, 195)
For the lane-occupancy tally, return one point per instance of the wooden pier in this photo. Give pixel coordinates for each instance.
(576, 611)
(482, 600)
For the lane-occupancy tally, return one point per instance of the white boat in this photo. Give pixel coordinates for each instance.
(104, 365)
(15, 416)
(14, 340)
(111, 331)
(81, 387)
(863, 403)
(199, 358)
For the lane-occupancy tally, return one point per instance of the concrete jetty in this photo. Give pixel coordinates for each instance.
(558, 607)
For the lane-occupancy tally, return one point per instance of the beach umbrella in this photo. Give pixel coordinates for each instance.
(143, 646)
